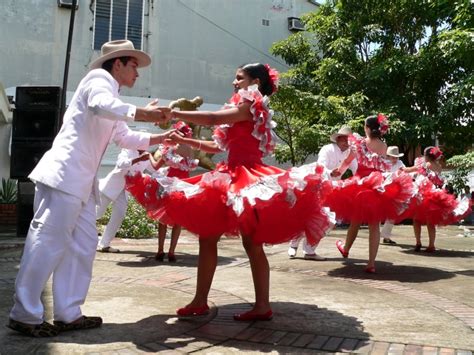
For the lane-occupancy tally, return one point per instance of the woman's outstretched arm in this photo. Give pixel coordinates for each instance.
(209, 118)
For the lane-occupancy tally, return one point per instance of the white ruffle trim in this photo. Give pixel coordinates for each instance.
(462, 207)
(367, 158)
(266, 141)
(174, 160)
(264, 189)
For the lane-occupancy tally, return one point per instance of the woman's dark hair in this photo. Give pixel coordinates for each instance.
(108, 64)
(373, 124)
(432, 153)
(259, 71)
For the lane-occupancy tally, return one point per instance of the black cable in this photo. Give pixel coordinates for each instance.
(233, 35)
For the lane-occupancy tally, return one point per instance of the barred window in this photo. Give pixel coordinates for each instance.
(118, 19)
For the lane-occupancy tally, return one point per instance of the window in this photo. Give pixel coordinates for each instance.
(265, 22)
(118, 19)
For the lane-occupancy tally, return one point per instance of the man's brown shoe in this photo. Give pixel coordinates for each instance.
(81, 323)
(42, 330)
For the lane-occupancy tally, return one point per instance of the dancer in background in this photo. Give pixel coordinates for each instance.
(262, 203)
(370, 196)
(330, 156)
(112, 190)
(396, 164)
(179, 162)
(432, 205)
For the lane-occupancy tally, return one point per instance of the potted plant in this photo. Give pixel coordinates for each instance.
(8, 198)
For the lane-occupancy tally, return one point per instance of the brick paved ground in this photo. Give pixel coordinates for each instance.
(417, 303)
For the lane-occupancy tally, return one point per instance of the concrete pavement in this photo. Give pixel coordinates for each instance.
(417, 303)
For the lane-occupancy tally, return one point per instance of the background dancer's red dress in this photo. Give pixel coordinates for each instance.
(242, 195)
(374, 193)
(176, 165)
(431, 204)
(178, 161)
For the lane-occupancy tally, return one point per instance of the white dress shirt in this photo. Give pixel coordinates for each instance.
(397, 166)
(114, 183)
(95, 117)
(331, 157)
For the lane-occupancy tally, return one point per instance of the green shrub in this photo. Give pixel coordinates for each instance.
(461, 165)
(136, 224)
(8, 191)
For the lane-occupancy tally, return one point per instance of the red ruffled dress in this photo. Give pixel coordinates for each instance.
(176, 165)
(242, 195)
(430, 203)
(373, 194)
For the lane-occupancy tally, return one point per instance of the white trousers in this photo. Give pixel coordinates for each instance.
(307, 249)
(61, 242)
(386, 231)
(119, 210)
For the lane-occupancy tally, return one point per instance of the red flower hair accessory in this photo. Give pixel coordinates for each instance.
(383, 122)
(274, 77)
(436, 152)
(183, 128)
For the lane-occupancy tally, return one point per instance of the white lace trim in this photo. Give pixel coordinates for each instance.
(266, 144)
(264, 189)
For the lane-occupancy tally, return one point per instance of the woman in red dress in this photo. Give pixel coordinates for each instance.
(175, 160)
(374, 194)
(431, 205)
(262, 203)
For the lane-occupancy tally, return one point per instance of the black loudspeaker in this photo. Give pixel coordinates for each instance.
(25, 156)
(26, 195)
(36, 121)
(37, 97)
(35, 125)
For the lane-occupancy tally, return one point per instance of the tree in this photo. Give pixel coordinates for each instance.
(462, 166)
(412, 60)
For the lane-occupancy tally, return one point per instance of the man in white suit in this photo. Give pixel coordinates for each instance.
(62, 237)
(331, 156)
(112, 191)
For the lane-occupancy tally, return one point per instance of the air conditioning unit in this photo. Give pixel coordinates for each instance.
(67, 4)
(295, 24)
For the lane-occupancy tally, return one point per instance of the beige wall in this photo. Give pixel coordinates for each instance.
(195, 44)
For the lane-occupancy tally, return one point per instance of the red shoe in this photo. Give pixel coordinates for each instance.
(190, 312)
(340, 247)
(370, 270)
(430, 250)
(418, 247)
(249, 316)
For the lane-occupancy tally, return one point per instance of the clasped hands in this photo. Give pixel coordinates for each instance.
(155, 113)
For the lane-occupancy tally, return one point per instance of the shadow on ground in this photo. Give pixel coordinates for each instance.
(169, 332)
(147, 259)
(410, 249)
(387, 271)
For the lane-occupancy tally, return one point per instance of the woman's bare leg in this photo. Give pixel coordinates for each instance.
(351, 235)
(161, 237)
(260, 274)
(417, 231)
(431, 235)
(374, 242)
(207, 264)
(175, 232)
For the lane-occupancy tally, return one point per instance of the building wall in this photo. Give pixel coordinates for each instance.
(5, 129)
(195, 44)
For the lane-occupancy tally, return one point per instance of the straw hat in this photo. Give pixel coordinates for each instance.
(392, 151)
(343, 131)
(120, 48)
